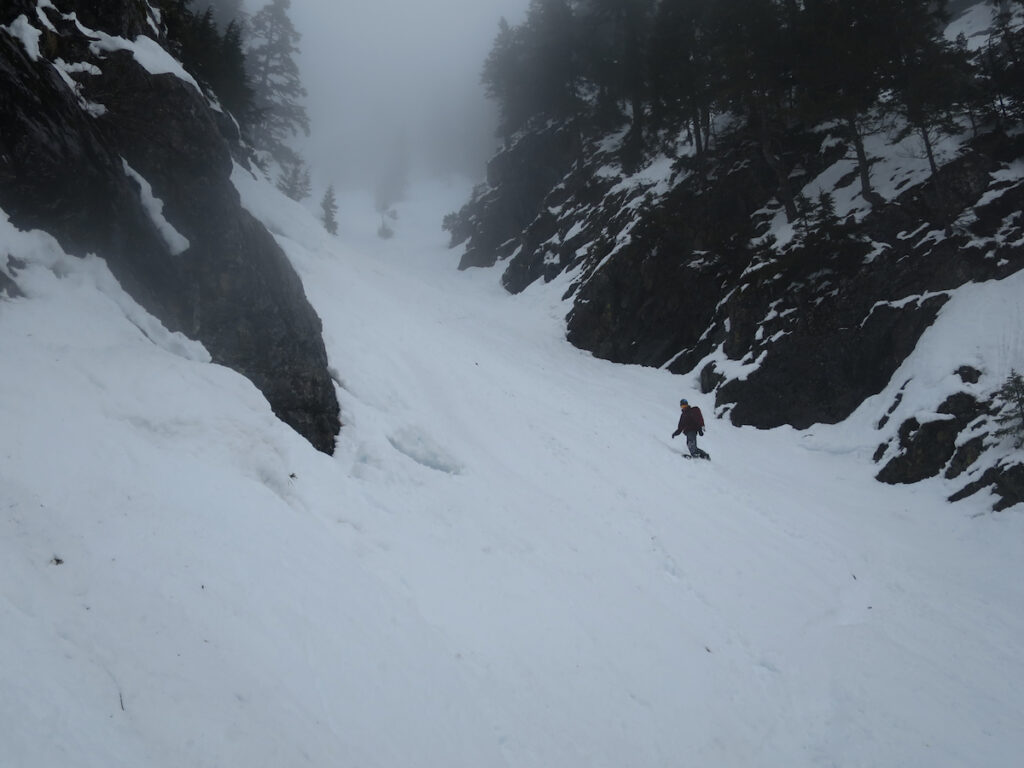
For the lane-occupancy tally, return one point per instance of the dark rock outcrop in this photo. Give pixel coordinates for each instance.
(63, 154)
(927, 449)
(825, 322)
(1005, 481)
(952, 444)
(8, 287)
(518, 181)
(681, 271)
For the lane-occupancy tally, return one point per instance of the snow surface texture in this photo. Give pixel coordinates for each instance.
(506, 563)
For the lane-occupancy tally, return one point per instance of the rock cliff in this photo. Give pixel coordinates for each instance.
(690, 265)
(97, 122)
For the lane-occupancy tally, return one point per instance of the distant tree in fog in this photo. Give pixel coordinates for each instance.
(394, 177)
(503, 78)
(214, 58)
(294, 180)
(277, 88)
(329, 211)
(226, 11)
(532, 69)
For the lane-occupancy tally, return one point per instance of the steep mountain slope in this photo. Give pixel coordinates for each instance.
(506, 562)
(691, 265)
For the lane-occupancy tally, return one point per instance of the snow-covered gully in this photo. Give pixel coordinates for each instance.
(506, 563)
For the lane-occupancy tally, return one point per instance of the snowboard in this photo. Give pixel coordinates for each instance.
(684, 455)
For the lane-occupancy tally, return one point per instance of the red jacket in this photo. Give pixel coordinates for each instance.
(690, 420)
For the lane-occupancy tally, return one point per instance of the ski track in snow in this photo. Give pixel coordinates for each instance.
(507, 562)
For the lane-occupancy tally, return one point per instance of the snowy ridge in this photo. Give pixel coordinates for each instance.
(146, 51)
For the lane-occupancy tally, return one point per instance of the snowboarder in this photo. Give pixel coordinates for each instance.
(691, 424)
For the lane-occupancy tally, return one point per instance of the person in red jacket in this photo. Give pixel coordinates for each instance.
(691, 424)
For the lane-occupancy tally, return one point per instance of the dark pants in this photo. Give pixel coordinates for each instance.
(691, 443)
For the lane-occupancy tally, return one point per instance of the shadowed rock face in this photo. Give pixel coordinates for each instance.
(62, 170)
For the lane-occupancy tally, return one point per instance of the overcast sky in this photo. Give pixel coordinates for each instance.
(384, 72)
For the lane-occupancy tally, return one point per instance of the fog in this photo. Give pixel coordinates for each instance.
(394, 78)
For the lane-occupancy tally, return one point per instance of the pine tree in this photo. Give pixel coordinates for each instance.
(277, 87)
(1003, 66)
(614, 57)
(1011, 394)
(503, 79)
(920, 67)
(550, 40)
(818, 225)
(216, 60)
(682, 70)
(839, 71)
(826, 209)
(329, 211)
(226, 12)
(174, 15)
(756, 50)
(294, 180)
(231, 79)
(531, 69)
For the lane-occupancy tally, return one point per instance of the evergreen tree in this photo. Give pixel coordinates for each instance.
(681, 66)
(819, 226)
(233, 81)
(277, 87)
(226, 12)
(614, 56)
(531, 69)
(1003, 66)
(549, 38)
(1011, 394)
(294, 179)
(776, 65)
(840, 69)
(504, 79)
(756, 49)
(175, 15)
(920, 67)
(329, 211)
(973, 99)
(216, 60)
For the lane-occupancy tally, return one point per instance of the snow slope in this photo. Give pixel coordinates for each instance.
(507, 562)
